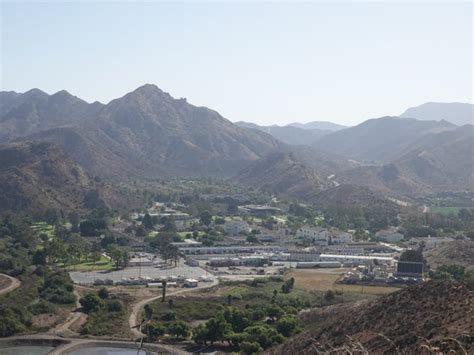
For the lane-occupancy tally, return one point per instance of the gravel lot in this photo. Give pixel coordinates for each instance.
(150, 271)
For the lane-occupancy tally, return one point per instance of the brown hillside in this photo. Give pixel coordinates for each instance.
(436, 314)
(36, 176)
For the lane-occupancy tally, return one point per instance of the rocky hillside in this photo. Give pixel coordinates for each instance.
(37, 176)
(459, 252)
(436, 314)
(380, 140)
(147, 133)
(282, 173)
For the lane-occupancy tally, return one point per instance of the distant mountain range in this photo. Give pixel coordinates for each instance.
(35, 111)
(457, 113)
(401, 158)
(438, 162)
(288, 134)
(321, 125)
(148, 133)
(381, 139)
(145, 133)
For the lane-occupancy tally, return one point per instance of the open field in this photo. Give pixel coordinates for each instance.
(325, 279)
(4, 282)
(102, 264)
(445, 210)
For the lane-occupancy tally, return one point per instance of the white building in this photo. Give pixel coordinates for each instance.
(318, 236)
(341, 238)
(140, 261)
(236, 227)
(346, 249)
(389, 235)
(357, 259)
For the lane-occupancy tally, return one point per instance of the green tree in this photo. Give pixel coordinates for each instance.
(217, 328)
(273, 311)
(250, 348)
(251, 238)
(91, 303)
(287, 325)
(205, 218)
(288, 285)
(200, 334)
(154, 330)
(103, 293)
(148, 312)
(456, 271)
(74, 219)
(179, 329)
(39, 257)
(329, 295)
(147, 222)
(263, 335)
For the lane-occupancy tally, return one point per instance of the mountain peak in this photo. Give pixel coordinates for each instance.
(147, 92)
(62, 93)
(148, 89)
(35, 92)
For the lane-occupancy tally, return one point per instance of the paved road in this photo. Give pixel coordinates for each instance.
(14, 284)
(133, 319)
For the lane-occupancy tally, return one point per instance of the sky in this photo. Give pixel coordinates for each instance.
(262, 62)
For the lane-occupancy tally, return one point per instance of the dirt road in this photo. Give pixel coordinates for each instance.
(133, 319)
(63, 328)
(13, 284)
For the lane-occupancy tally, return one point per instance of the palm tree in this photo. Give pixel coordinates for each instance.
(163, 295)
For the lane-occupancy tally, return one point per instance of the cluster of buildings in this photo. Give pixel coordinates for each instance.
(323, 237)
(390, 235)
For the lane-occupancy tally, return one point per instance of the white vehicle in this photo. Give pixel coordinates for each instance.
(205, 279)
(190, 283)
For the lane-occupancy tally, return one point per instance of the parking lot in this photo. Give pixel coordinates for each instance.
(135, 272)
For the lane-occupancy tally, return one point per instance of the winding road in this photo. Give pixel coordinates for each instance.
(13, 285)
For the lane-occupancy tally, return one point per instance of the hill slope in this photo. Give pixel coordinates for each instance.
(282, 173)
(379, 139)
(37, 176)
(456, 113)
(400, 322)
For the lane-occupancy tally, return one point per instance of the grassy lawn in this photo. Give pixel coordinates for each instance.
(183, 235)
(43, 227)
(102, 264)
(445, 210)
(325, 279)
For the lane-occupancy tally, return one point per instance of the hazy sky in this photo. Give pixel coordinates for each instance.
(260, 62)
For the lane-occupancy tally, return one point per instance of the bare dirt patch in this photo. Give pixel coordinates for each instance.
(325, 279)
